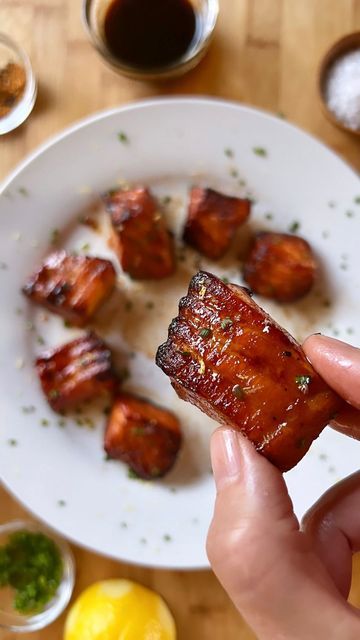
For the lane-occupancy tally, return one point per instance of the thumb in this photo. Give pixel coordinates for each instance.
(256, 548)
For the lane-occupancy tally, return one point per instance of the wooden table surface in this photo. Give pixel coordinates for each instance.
(265, 53)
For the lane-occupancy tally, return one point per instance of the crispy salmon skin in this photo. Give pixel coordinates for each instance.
(144, 436)
(77, 371)
(143, 244)
(73, 287)
(225, 355)
(212, 221)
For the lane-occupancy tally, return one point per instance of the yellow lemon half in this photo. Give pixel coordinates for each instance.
(119, 610)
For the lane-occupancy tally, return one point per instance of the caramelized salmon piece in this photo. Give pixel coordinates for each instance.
(144, 436)
(79, 370)
(74, 287)
(142, 242)
(213, 219)
(229, 358)
(280, 266)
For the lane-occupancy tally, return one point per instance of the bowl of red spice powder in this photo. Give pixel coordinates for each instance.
(17, 85)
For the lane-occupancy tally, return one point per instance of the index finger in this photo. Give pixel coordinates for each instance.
(339, 364)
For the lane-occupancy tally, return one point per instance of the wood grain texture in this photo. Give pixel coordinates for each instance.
(265, 53)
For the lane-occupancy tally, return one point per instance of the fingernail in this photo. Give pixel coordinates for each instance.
(225, 456)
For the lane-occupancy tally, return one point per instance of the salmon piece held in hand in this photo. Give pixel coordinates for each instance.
(213, 219)
(280, 266)
(229, 358)
(79, 370)
(73, 287)
(143, 244)
(145, 437)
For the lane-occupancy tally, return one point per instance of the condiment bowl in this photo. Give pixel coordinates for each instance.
(10, 52)
(350, 42)
(94, 13)
(10, 619)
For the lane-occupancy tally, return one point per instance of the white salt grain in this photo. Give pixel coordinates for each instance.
(342, 90)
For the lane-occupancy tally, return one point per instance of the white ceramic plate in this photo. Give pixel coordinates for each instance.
(58, 471)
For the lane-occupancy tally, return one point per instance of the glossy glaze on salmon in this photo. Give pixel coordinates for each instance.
(229, 358)
(79, 370)
(142, 435)
(143, 244)
(213, 219)
(73, 287)
(280, 266)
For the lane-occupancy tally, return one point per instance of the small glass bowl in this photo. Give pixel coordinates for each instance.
(10, 619)
(10, 52)
(346, 44)
(94, 12)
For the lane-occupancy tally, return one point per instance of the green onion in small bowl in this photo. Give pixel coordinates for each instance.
(36, 576)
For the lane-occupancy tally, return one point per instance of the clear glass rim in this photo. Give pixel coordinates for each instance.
(186, 62)
(24, 106)
(59, 603)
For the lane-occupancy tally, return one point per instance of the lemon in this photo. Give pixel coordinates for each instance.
(119, 610)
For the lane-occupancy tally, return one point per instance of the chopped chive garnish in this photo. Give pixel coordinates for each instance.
(205, 332)
(260, 151)
(227, 322)
(122, 137)
(294, 227)
(303, 382)
(132, 474)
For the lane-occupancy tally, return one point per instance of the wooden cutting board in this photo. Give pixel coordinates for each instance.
(265, 53)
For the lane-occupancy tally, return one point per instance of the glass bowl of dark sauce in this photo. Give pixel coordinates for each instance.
(151, 39)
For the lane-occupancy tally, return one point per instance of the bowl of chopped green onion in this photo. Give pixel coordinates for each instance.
(36, 576)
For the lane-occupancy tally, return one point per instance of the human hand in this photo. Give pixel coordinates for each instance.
(290, 582)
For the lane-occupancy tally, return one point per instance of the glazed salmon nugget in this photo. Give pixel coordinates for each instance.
(229, 358)
(73, 287)
(213, 219)
(280, 266)
(144, 436)
(75, 372)
(144, 246)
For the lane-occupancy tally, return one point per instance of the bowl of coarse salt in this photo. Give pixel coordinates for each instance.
(339, 83)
